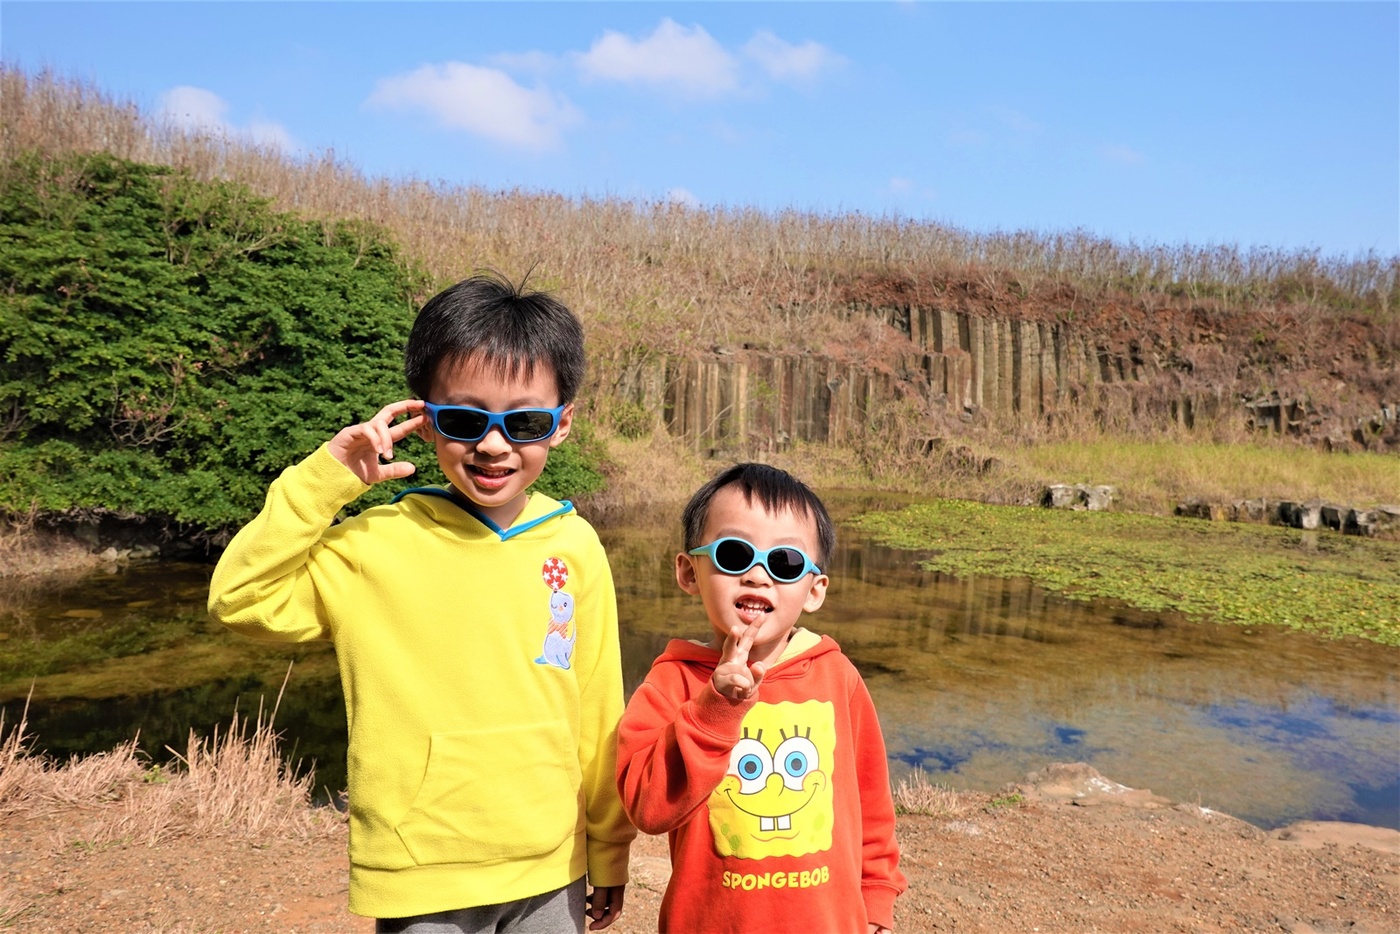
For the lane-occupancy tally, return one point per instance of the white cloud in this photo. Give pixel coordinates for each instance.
(483, 101)
(787, 62)
(689, 60)
(1123, 155)
(271, 134)
(901, 186)
(529, 63)
(197, 110)
(682, 196)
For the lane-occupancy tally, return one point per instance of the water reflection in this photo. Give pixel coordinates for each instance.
(131, 652)
(978, 681)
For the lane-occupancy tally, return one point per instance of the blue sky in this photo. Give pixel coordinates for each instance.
(1254, 124)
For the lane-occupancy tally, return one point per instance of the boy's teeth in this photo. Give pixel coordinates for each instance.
(751, 610)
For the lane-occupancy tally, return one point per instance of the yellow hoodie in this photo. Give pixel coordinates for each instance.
(482, 679)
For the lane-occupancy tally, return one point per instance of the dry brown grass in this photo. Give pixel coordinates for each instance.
(653, 277)
(26, 550)
(233, 784)
(915, 794)
(645, 474)
(33, 783)
(657, 279)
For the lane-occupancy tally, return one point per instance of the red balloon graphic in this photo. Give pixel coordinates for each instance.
(555, 574)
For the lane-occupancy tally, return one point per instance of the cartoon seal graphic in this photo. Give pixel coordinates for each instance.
(560, 633)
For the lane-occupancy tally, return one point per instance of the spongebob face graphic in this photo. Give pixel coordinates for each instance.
(776, 799)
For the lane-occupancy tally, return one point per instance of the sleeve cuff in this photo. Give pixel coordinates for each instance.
(718, 715)
(330, 474)
(318, 487)
(607, 862)
(879, 904)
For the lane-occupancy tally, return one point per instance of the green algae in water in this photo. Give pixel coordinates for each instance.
(1322, 582)
(22, 659)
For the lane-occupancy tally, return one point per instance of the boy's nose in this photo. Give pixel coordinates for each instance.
(495, 442)
(758, 574)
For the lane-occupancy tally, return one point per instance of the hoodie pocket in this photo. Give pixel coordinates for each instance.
(497, 794)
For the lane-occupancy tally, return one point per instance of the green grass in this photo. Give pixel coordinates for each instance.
(1153, 476)
(1321, 582)
(1006, 801)
(1150, 475)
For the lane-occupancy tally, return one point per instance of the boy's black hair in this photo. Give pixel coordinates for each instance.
(775, 490)
(512, 329)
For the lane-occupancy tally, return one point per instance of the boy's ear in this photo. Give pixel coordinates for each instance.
(817, 595)
(425, 429)
(685, 574)
(566, 421)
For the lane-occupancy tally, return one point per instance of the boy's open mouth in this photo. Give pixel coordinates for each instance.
(490, 476)
(751, 608)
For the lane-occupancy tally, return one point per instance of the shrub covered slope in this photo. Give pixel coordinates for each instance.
(170, 345)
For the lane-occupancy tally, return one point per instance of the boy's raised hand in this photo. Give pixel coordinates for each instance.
(734, 677)
(360, 447)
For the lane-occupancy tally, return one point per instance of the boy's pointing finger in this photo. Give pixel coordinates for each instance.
(402, 407)
(739, 643)
(403, 429)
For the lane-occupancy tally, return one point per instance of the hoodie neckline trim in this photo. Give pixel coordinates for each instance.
(565, 506)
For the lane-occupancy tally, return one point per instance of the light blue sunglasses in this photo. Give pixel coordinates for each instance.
(784, 564)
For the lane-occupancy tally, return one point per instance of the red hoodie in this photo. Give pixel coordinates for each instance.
(778, 809)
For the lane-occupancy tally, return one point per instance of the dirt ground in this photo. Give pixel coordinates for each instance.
(1063, 851)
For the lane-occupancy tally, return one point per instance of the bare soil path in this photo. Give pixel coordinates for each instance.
(1060, 855)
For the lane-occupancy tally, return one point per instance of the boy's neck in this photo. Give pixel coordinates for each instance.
(504, 515)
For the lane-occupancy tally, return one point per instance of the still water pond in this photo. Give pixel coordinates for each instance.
(977, 681)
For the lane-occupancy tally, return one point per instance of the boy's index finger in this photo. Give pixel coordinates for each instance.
(740, 643)
(728, 648)
(403, 407)
(400, 430)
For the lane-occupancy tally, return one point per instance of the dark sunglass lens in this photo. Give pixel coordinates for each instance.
(529, 426)
(786, 564)
(461, 424)
(733, 556)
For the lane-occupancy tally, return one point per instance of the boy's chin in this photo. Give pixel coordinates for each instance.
(489, 500)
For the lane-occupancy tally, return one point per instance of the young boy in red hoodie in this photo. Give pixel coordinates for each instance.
(758, 751)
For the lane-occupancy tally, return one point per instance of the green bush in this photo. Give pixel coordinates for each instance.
(573, 467)
(632, 420)
(169, 345)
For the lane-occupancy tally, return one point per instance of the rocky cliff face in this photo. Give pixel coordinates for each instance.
(1331, 381)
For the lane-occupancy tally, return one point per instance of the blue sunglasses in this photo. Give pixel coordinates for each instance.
(464, 423)
(784, 564)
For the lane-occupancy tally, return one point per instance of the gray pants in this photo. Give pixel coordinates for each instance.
(556, 912)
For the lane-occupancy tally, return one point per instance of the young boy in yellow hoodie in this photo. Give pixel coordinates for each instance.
(475, 628)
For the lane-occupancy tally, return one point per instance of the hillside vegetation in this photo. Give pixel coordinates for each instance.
(186, 314)
(171, 344)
